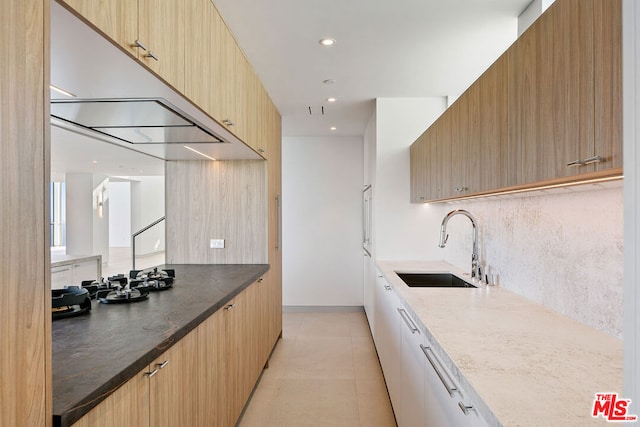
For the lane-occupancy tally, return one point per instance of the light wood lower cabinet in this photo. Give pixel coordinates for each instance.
(206, 378)
(128, 406)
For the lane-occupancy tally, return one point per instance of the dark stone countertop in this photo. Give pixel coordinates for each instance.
(96, 353)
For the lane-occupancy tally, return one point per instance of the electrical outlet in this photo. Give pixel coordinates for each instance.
(216, 244)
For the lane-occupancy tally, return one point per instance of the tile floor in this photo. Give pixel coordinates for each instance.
(323, 372)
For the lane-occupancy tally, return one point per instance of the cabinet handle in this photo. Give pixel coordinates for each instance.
(151, 55)
(138, 44)
(451, 388)
(465, 408)
(462, 189)
(260, 150)
(228, 122)
(594, 159)
(278, 223)
(230, 306)
(387, 287)
(576, 163)
(260, 280)
(407, 319)
(163, 364)
(152, 373)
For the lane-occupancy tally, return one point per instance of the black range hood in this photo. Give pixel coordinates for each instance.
(133, 120)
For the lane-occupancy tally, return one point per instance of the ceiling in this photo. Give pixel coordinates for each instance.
(384, 48)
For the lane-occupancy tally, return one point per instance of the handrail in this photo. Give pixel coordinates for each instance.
(134, 235)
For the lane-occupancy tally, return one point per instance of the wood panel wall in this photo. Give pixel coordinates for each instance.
(216, 200)
(25, 319)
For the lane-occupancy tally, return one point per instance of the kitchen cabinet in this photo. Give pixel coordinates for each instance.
(153, 31)
(206, 377)
(128, 406)
(170, 387)
(608, 82)
(239, 343)
(445, 403)
(25, 319)
(154, 397)
(369, 273)
(388, 339)
(551, 93)
(548, 111)
(411, 410)
(422, 390)
(73, 271)
(273, 143)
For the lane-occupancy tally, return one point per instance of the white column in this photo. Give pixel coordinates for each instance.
(79, 209)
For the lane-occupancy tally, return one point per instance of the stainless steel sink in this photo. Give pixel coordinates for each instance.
(433, 280)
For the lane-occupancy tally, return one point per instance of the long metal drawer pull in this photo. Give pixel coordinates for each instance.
(405, 316)
(594, 159)
(139, 44)
(278, 223)
(152, 373)
(465, 408)
(163, 364)
(451, 388)
(151, 55)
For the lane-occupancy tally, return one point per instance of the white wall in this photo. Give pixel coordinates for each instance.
(561, 248)
(402, 229)
(531, 13)
(631, 135)
(321, 214)
(120, 214)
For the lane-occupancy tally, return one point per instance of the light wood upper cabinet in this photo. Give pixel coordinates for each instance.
(551, 93)
(117, 19)
(161, 27)
(200, 83)
(495, 166)
(150, 30)
(548, 111)
(608, 82)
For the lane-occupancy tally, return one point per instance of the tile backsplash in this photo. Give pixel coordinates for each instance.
(562, 248)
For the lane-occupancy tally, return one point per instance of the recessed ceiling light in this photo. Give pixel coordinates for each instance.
(329, 81)
(94, 161)
(331, 99)
(333, 128)
(327, 42)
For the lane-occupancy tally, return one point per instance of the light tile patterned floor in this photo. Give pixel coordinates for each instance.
(324, 372)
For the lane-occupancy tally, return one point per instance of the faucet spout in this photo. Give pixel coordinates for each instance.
(444, 236)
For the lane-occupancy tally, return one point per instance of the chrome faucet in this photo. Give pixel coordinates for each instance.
(475, 268)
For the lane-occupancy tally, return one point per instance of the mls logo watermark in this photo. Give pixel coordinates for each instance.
(612, 408)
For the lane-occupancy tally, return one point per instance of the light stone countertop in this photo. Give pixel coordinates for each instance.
(522, 364)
